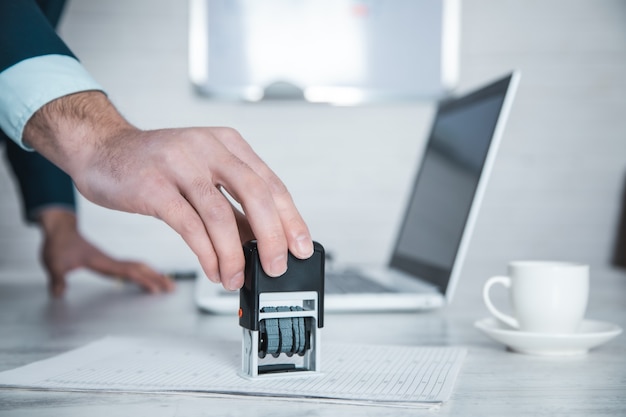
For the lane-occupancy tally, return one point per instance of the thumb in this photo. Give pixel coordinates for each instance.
(54, 270)
(56, 283)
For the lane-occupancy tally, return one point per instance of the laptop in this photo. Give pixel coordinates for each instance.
(426, 261)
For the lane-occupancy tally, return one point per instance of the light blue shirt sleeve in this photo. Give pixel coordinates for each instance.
(30, 84)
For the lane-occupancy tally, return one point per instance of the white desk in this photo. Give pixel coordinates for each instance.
(492, 382)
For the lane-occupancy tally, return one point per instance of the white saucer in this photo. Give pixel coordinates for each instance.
(592, 333)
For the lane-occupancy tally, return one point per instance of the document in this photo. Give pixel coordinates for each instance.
(404, 376)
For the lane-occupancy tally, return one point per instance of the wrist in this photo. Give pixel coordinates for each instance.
(55, 221)
(70, 130)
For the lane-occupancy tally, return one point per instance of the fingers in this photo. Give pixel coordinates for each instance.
(216, 213)
(144, 276)
(292, 226)
(263, 218)
(131, 271)
(298, 235)
(56, 284)
(218, 234)
(245, 231)
(213, 238)
(55, 263)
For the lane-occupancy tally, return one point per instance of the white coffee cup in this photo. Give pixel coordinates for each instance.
(546, 296)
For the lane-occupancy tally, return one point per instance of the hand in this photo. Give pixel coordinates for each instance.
(65, 249)
(179, 176)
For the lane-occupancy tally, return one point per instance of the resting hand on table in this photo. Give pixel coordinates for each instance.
(64, 249)
(178, 176)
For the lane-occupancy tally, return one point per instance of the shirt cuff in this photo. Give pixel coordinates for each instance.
(30, 84)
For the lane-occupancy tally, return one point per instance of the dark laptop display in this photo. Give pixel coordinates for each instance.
(445, 187)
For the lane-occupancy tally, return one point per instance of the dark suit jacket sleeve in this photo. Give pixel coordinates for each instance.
(26, 31)
(41, 183)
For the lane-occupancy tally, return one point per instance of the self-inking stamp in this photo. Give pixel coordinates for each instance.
(282, 316)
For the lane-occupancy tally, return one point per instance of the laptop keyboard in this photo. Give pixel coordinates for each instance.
(351, 282)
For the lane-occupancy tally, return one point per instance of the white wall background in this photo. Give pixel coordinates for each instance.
(554, 192)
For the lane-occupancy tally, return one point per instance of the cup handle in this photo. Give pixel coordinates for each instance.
(505, 318)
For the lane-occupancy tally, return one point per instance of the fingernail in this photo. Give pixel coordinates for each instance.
(236, 281)
(278, 266)
(304, 246)
(214, 278)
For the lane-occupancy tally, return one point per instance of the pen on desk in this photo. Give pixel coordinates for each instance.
(181, 275)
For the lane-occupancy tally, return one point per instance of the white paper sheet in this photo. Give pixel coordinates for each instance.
(384, 375)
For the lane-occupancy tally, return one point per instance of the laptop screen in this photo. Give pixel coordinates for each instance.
(446, 184)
